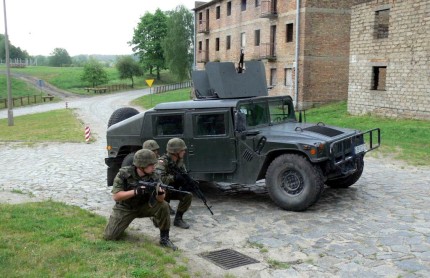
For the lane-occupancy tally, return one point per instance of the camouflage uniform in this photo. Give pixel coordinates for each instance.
(163, 169)
(124, 212)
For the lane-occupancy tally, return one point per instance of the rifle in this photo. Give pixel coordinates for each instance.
(192, 184)
(153, 186)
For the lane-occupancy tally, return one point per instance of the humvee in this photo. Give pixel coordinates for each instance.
(236, 133)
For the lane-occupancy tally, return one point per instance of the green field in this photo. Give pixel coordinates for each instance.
(69, 78)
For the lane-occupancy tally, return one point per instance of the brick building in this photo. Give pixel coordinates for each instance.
(389, 71)
(267, 30)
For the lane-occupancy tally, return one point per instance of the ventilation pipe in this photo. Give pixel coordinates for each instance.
(296, 78)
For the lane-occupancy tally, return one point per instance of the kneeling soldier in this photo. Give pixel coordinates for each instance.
(135, 201)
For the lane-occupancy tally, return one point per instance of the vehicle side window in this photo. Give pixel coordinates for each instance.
(210, 124)
(169, 125)
(281, 110)
(256, 114)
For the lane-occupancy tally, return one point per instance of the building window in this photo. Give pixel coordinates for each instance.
(200, 46)
(288, 77)
(243, 5)
(200, 18)
(242, 39)
(379, 77)
(382, 18)
(289, 32)
(257, 37)
(228, 42)
(273, 80)
(218, 12)
(228, 8)
(217, 44)
(257, 3)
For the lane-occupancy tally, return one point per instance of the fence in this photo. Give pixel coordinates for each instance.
(172, 87)
(25, 100)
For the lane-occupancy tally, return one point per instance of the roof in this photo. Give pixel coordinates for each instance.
(197, 104)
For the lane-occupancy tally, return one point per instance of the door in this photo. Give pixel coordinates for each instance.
(211, 142)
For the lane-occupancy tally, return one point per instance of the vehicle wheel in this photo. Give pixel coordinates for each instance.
(349, 180)
(293, 182)
(121, 114)
(128, 160)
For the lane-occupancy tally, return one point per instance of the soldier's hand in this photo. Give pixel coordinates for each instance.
(140, 190)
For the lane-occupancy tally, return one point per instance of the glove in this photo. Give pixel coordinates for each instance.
(140, 190)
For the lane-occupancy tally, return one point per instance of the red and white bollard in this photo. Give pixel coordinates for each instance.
(87, 134)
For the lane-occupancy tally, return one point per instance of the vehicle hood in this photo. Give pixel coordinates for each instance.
(300, 132)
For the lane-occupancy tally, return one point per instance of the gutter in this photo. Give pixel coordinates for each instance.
(296, 58)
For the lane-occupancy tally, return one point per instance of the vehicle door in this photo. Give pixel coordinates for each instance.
(211, 142)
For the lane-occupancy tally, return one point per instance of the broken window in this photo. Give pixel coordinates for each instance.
(257, 38)
(228, 40)
(273, 79)
(379, 77)
(289, 32)
(217, 44)
(228, 8)
(288, 77)
(218, 12)
(243, 5)
(381, 23)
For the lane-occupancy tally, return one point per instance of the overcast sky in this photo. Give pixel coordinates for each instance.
(79, 26)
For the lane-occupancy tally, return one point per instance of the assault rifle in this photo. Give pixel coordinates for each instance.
(153, 185)
(192, 185)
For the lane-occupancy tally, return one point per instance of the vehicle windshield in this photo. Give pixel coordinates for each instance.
(267, 112)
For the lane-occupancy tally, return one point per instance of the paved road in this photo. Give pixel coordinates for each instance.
(380, 227)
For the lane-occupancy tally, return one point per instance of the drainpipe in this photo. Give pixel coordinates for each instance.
(296, 78)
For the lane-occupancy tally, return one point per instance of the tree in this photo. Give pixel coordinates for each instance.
(147, 40)
(128, 68)
(178, 42)
(14, 52)
(94, 73)
(60, 58)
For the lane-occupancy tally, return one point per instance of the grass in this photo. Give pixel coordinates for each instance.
(53, 126)
(149, 101)
(69, 78)
(51, 239)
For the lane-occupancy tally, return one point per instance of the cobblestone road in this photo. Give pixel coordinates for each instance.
(379, 227)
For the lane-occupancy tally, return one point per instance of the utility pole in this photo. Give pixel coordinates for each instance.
(9, 93)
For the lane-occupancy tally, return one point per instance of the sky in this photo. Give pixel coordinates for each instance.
(79, 26)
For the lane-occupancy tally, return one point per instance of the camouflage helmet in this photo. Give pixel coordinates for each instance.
(150, 145)
(175, 145)
(143, 158)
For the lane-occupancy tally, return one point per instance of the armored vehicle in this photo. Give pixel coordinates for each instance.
(236, 133)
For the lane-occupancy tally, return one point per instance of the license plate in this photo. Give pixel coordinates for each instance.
(360, 148)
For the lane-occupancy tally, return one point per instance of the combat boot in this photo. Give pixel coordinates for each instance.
(165, 240)
(178, 222)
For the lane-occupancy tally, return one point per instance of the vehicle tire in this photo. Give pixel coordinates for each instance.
(128, 160)
(349, 180)
(293, 182)
(121, 114)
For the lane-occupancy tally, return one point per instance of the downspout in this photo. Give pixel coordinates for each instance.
(296, 78)
(194, 42)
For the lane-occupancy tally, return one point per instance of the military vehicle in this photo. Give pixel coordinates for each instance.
(236, 133)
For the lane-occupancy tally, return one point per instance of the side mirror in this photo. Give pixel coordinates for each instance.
(240, 121)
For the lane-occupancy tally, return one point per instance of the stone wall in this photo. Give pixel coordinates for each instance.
(400, 56)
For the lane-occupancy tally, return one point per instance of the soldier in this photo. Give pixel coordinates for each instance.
(137, 201)
(152, 145)
(174, 157)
